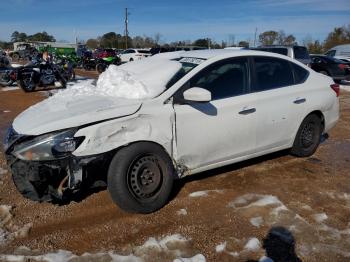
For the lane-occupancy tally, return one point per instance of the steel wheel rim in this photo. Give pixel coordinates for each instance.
(308, 135)
(145, 177)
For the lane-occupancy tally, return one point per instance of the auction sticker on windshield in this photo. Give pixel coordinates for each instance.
(192, 60)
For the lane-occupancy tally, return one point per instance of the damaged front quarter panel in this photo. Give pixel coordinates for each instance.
(152, 126)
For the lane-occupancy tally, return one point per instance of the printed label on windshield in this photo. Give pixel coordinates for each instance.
(192, 60)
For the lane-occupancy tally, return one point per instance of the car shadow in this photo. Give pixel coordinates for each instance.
(180, 183)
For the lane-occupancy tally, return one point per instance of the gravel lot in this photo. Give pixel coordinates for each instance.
(221, 215)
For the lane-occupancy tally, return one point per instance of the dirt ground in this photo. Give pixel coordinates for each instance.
(222, 215)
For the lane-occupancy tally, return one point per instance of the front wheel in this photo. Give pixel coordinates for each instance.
(308, 137)
(27, 83)
(100, 68)
(140, 178)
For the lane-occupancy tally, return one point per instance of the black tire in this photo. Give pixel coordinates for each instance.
(26, 84)
(5, 80)
(324, 73)
(140, 178)
(100, 68)
(131, 59)
(15, 56)
(308, 137)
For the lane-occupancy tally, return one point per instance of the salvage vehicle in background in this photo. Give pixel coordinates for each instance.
(299, 53)
(341, 52)
(23, 51)
(335, 68)
(249, 103)
(130, 55)
(41, 74)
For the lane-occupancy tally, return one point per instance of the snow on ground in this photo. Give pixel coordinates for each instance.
(8, 230)
(182, 212)
(203, 193)
(9, 88)
(345, 85)
(3, 171)
(169, 248)
(268, 211)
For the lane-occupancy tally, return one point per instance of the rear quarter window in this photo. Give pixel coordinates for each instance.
(300, 74)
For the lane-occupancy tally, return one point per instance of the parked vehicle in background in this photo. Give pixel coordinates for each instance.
(23, 51)
(130, 55)
(299, 53)
(41, 74)
(7, 73)
(103, 63)
(341, 52)
(330, 66)
(249, 103)
(103, 53)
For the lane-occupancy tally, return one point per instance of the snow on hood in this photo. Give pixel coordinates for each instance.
(64, 111)
(119, 92)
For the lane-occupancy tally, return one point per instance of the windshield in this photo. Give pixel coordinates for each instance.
(186, 67)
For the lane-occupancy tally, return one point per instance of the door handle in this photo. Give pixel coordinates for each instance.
(299, 101)
(247, 111)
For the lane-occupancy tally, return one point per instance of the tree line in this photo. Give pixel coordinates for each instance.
(340, 35)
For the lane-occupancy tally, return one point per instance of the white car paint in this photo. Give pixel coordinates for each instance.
(133, 55)
(202, 136)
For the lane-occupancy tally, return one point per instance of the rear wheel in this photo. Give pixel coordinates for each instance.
(308, 136)
(140, 178)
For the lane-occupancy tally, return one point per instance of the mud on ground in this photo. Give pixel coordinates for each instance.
(224, 214)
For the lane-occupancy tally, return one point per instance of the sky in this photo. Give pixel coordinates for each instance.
(174, 20)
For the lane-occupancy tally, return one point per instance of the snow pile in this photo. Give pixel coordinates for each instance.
(142, 79)
(170, 248)
(9, 231)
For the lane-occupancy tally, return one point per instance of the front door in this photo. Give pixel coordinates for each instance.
(224, 128)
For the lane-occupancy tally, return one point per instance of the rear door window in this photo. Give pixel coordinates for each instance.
(271, 73)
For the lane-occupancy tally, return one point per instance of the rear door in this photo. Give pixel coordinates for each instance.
(280, 101)
(224, 128)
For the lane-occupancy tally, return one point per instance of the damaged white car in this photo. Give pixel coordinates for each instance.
(149, 122)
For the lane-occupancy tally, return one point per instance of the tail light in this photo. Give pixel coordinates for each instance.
(343, 66)
(336, 89)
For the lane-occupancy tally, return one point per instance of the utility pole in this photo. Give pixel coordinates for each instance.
(126, 28)
(256, 31)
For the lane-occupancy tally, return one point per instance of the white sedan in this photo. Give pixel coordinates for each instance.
(130, 55)
(171, 116)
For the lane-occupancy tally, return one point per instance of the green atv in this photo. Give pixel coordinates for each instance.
(103, 63)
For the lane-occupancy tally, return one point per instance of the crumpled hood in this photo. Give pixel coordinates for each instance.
(56, 114)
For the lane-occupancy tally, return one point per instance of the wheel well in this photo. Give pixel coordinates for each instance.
(320, 115)
(113, 152)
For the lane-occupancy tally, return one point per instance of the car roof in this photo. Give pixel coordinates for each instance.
(211, 53)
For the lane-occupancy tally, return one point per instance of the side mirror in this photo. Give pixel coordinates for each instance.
(197, 94)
